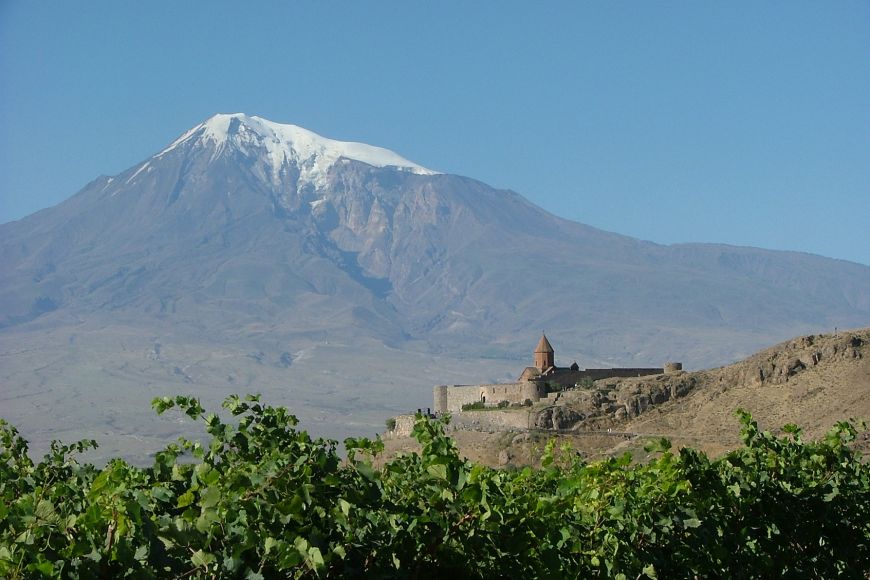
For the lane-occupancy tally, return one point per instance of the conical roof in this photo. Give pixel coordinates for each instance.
(544, 345)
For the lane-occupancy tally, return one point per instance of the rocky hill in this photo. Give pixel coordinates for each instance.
(812, 381)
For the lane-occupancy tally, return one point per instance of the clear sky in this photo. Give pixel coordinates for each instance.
(742, 122)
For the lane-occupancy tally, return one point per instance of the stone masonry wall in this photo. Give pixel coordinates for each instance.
(451, 398)
(440, 399)
(458, 395)
(570, 378)
(510, 392)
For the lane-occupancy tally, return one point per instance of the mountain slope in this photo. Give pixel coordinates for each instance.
(247, 237)
(812, 381)
(241, 209)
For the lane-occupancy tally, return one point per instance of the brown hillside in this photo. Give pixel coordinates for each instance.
(812, 381)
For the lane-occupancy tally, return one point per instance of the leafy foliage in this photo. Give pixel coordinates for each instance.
(263, 499)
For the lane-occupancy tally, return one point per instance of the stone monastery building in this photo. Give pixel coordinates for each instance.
(533, 383)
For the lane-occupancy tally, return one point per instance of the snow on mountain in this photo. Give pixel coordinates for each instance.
(284, 144)
(191, 272)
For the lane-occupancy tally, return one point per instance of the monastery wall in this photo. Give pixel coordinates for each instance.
(630, 372)
(451, 398)
(573, 377)
(542, 377)
(511, 392)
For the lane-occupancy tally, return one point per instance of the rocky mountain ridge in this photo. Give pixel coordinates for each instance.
(228, 226)
(344, 280)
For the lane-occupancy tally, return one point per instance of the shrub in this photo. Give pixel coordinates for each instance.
(585, 383)
(262, 499)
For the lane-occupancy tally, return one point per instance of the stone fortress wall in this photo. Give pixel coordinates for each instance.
(451, 398)
(534, 384)
(571, 378)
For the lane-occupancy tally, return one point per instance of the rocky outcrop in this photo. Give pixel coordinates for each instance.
(614, 400)
(558, 417)
(776, 365)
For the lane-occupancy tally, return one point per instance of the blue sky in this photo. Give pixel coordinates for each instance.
(736, 122)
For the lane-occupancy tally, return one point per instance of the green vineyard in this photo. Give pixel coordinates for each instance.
(261, 499)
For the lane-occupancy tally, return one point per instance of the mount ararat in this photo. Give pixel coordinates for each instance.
(343, 280)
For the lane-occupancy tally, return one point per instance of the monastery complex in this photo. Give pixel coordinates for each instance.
(534, 383)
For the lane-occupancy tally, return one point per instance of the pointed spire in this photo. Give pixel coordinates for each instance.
(544, 345)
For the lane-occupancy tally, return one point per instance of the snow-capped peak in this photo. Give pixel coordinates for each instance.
(312, 153)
